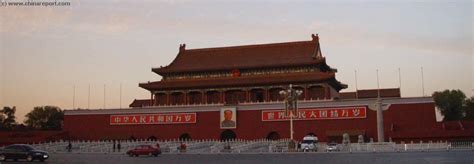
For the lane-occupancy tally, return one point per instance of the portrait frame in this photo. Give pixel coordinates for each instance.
(228, 124)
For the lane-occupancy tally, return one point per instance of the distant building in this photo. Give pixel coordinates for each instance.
(200, 83)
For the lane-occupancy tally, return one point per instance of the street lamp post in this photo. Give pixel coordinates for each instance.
(291, 104)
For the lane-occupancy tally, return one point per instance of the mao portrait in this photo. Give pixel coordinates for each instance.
(228, 116)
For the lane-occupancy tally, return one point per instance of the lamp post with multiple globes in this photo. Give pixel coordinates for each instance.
(291, 104)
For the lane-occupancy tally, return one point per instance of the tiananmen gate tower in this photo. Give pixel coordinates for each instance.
(234, 92)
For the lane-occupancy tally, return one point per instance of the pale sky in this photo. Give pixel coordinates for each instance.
(45, 51)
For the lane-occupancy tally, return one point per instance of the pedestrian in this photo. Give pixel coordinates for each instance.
(182, 147)
(69, 146)
(114, 146)
(118, 146)
(227, 146)
(299, 146)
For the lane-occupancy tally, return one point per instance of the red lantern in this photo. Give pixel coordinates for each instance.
(235, 73)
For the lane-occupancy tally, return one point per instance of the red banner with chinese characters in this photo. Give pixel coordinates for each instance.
(317, 114)
(165, 118)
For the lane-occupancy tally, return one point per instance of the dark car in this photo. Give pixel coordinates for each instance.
(144, 150)
(22, 151)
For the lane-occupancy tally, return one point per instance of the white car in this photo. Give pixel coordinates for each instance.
(332, 147)
(310, 143)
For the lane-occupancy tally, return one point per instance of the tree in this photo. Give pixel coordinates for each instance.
(2, 118)
(45, 118)
(469, 109)
(450, 103)
(7, 117)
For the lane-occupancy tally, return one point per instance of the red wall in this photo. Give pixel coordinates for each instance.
(404, 117)
(30, 136)
(407, 117)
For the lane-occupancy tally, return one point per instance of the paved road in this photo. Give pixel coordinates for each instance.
(289, 158)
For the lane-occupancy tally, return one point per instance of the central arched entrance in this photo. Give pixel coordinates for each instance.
(152, 138)
(185, 137)
(228, 135)
(273, 136)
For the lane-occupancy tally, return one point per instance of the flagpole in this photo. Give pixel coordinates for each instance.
(356, 90)
(120, 95)
(378, 85)
(89, 97)
(74, 97)
(422, 83)
(104, 96)
(399, 78)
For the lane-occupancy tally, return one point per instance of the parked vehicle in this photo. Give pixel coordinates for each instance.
(332, 147)
(22, 151)
(309, 143)
(144, 150)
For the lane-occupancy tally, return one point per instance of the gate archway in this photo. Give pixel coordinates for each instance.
(152, 138)
(273, 136)
(228, 135)
(185, 137)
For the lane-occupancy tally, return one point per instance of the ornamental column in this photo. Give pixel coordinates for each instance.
(380, 130)
(378, 106)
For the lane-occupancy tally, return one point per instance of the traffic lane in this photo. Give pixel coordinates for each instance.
(285, 158)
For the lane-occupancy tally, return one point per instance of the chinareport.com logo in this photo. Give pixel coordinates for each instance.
(19, 3)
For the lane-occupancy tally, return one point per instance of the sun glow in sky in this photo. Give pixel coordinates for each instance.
(46, 51)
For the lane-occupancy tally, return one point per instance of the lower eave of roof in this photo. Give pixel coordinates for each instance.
(221, 82)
